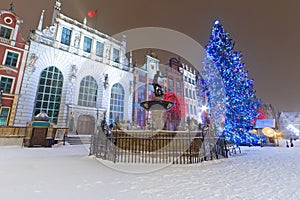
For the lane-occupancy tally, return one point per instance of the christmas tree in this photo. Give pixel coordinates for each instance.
(230, 88)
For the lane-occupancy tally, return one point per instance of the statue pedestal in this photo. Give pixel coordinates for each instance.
(158, 119)
(158, 108)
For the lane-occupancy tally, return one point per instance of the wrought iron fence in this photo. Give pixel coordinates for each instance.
(176, 147)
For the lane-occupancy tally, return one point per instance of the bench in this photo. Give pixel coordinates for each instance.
(231, 148)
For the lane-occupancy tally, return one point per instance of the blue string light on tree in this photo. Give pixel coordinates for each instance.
(238, 95)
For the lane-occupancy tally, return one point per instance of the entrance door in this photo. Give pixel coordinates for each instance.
(38, 137)
(85, 125)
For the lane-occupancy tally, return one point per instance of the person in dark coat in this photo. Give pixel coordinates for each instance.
(291, 141)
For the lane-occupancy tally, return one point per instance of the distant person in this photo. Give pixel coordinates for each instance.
(291, 141)
(250, 143)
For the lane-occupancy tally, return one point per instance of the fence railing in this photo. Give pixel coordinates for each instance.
(176, 147)
(12, 132)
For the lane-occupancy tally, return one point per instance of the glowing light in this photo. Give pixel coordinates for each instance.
(268, 132)
(204, 108)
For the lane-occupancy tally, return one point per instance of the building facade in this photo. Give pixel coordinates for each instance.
(75, 74)
(174, 85)
(13, 54)
(143, 90)
(190, 97)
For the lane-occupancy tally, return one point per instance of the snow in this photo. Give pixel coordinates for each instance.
(67, 172)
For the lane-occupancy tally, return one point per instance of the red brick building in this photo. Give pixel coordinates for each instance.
(174, 84)
(13, 54)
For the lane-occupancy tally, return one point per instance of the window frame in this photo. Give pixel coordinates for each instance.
(117, 103)
(84, 97)
(6, 56)
(99, 49)
(115, 57)
(65, 37)
(87, 44)
(12, 84)
(8, 113)
(6, 28)
(54, 85)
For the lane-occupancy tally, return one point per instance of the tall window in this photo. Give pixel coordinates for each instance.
(178, 86)
(87, 44)
(3, 116)
(171, 84)
(141, 117)
(116, 55)
(116, 103)
(66, 36)
(11, 59)
(5, 32)
(150, 91)
(49, 93)
(6, 84)
(99, 49)
(142, 77)
(141, 93)
(88, 92)
(186, 92)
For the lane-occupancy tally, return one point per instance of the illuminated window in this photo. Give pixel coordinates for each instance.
(49, 93)
(11, 59)
(87, 44)
(88, 92)
(3, 116)
(66, 36)
(5, 32)
(116, 103)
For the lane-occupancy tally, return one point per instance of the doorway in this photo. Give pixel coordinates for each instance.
(85, 125)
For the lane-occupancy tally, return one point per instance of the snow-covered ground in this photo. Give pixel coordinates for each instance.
(67, 172)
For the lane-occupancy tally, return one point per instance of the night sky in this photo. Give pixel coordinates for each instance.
(266, 32)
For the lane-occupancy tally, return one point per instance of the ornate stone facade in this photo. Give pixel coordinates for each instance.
(76, 51)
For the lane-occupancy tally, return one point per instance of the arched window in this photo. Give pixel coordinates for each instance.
(49, 93)
(88, 92)
(116, 103)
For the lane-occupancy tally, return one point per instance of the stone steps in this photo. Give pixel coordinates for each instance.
(78, 139)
